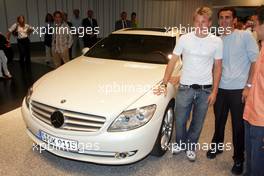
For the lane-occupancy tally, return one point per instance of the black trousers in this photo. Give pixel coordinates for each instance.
(230, 100)
(24, 50)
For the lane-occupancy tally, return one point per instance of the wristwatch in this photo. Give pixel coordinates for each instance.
(248, 85)
(163, 84)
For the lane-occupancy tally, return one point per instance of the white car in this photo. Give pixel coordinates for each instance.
(100, 107)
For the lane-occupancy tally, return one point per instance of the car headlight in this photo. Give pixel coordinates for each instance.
(28, 96)
(131, 119)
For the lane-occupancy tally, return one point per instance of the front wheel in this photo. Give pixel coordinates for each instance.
(165, 134)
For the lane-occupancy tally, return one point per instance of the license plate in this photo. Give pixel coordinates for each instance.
(58, 143)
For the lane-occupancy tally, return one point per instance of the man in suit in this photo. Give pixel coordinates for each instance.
(89, 39)
(123, 22)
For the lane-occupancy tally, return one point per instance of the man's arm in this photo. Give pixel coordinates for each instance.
(162, 88)
(217, 73)
(252, 54)
(251, 73)
(170, 68)
(249, 81)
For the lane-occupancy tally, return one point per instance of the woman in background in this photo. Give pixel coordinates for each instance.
(134, 23)
(21, 31)
(48, 37)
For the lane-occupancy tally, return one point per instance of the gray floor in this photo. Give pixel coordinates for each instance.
(17, 157)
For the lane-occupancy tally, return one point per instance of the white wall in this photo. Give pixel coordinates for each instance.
(220, 3)
(151, 13)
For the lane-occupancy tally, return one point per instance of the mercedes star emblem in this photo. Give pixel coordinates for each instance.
(57, 119)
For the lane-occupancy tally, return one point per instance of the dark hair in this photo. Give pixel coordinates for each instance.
(133, 13)
(76, 10)
(124, 12)
(47, 17)
(260, 14)
(232, 9)
(22, 17)
(57, 12)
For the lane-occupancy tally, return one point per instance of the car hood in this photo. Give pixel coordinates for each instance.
(97, 86)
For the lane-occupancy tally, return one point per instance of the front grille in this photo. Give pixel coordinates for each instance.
(72, 120)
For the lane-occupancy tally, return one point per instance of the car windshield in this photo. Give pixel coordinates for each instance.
(137, 48)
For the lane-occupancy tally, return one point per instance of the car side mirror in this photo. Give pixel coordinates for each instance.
(85, 50)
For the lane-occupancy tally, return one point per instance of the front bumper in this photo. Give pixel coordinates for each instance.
(104, 147)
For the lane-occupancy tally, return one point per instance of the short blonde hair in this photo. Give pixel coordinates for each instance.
(203, 11)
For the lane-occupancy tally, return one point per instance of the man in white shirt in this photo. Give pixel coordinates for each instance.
(201, 73)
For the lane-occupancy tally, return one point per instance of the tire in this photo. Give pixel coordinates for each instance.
(166, 130)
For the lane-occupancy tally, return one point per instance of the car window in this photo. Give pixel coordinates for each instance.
(138, 48)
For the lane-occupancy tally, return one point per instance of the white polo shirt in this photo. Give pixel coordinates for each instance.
(198, 56)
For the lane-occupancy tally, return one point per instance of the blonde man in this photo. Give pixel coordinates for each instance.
(201, 52)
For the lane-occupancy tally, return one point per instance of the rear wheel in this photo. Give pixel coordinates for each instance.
(165, 134)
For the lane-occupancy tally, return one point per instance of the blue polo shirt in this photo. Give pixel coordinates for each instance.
(240, 50)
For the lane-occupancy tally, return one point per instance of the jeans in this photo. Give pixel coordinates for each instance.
(230, 100)
(187, 100)
(254, 144)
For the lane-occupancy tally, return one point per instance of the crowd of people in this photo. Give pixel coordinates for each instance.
(227, 73)
(248, 23)
(61, 47)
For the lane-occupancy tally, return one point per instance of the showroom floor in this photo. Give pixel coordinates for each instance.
(12, 91)
(18, 158)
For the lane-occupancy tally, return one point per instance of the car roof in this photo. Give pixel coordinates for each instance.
(148, 31)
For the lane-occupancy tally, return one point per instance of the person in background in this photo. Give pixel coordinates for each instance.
(21, 31)
(61, 40)
(254, 20)
(134, 22)
(254, 110)
(65, 19)
(76, 22)
(3, 59)
(249, 25)
(89, 39)
(123, 22)
(239, 56)
(240, 25)
(48, 37)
